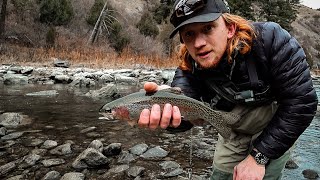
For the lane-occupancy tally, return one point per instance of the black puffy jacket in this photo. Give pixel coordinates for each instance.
(281, 64)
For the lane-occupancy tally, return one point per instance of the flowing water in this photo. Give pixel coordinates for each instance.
(63, 116)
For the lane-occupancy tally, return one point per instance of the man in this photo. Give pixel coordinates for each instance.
(257, 70)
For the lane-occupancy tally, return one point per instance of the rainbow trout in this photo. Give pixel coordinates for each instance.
(129, 108)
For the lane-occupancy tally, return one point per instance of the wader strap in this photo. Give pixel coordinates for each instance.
(252, 71)
(229, 97)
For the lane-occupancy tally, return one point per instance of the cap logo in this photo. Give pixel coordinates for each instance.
(187, 7)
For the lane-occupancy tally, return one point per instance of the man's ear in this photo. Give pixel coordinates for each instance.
(231, 30)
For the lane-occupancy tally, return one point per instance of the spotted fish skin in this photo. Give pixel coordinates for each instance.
(129, 108)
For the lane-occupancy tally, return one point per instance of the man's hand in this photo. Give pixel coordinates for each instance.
(152, 119)
(248, 169)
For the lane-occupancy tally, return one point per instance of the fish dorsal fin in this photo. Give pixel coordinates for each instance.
(174, 90)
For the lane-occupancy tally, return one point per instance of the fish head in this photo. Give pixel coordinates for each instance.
(120, 112)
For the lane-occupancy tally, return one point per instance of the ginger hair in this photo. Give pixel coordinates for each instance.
(242, 40)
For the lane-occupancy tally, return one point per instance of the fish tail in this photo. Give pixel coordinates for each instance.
(225, 132)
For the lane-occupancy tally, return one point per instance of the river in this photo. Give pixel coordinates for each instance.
(61, 117)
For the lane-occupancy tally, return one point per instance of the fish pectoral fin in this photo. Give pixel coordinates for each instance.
(132, 123)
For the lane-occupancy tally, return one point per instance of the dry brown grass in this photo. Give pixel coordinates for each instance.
(88, 56)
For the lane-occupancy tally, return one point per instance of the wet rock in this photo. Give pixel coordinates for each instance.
(52, 175)
(82, 82)
(3, 131)
(118, 169)
(310, 174)
(136, 171)
(121, 175)
(43, 93)
(48, 144)
(90, 158)
(126, 157)
(291, 164)
(61, 63)
(15, 79)
(106, 78)
(64, 149)
(32, 142)
(16, 69)
(12, 136)
(138, 149)
(7, 168)
(96, 144)
(40, 152)
(18, 177)
(49, 127)
(112, 149)
(173, 173)
(9, 143)
(73, 176)
(171, 169)
(169, 165)
(10, 119)
(156, 152)
(88, 129)
(204, 153)
(167, 75)
(107, 91)
(121, 79)
(93, 135)
(27, 70)
(29, 160)
(65, 79)
(52, 162)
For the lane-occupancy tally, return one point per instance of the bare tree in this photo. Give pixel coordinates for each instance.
(3, 17)
(104, 21)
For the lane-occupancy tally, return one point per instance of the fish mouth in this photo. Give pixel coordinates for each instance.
(107, 113)
(108, 116)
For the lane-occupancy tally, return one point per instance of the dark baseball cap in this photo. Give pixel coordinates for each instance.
(196, 11)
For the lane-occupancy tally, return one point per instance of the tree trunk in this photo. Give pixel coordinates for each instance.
(3, 17)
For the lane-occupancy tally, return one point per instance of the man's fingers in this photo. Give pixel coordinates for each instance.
(166, 116)
(144, 118)
(155, 116)
(176, 116)
(234, 173)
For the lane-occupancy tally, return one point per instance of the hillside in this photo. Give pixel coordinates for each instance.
(23, 28)
(306, 28)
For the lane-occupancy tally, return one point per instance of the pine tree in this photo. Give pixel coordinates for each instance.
(279, 11)
(242, 8)
(56, 12)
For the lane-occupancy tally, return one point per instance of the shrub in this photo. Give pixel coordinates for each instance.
(95, 12)
(147, 25)
(51, 37)
(55, 12)
(117, 39)
(161, 12)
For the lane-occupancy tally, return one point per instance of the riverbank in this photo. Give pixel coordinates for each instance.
(53, 130)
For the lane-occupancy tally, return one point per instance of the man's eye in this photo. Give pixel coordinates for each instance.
(188, 34)
(207, 28)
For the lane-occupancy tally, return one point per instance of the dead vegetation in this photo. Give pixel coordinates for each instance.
(91, 57)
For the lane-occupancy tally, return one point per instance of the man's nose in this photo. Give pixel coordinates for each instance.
(199, 41)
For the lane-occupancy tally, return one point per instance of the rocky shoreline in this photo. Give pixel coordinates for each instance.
(34, 156)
